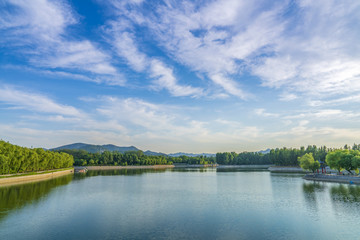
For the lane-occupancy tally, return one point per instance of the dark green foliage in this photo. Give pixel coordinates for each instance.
(244, 158)
(307, 162)
(83, 158)
(96, 148)
(15, 159)
(192, 160)
(279, 156)
(344, 159)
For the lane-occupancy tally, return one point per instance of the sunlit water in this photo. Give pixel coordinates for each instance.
(180, 204)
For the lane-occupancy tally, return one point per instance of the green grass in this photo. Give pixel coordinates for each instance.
(36, 173)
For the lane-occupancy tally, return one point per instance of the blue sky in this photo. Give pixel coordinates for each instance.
(169, 76)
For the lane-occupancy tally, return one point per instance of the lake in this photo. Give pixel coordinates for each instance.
(180, 204)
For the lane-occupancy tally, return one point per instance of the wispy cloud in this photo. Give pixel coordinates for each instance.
(319, 56)
(164, 78)
(308, 53)
(42, 20)
(262, 112)
(217, 46)
(34, 102)
(122, 39)
(43, 27)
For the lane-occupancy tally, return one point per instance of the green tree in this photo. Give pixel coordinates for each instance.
(307, 162)
(333, 160)
(344, 159)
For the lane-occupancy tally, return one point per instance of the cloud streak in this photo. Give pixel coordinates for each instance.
(43, 26)
(34, 102)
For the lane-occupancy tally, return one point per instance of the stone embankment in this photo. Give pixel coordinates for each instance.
(33, 178)
(333, 178)
(280, 169)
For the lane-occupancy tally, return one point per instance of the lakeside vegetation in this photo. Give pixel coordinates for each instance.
(278, 156)
(340, 159)
(15, 159)
(344, 159)
(130, 158)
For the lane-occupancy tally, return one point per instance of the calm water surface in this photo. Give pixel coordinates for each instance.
(180, 204)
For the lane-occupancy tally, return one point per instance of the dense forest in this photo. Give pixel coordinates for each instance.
(279, 156)
(85, 158)
(15, 159)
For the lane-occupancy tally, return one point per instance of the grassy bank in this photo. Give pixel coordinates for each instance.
(34, 176)
(34, 173)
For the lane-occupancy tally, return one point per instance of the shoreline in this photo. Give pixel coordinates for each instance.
(285, 169)
(265, 166)
(124, 167)
(13, 180)
(333, 178)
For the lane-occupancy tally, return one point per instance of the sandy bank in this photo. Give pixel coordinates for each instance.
(333, 178)
(33, 178)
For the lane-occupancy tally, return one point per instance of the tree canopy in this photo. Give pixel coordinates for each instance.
(16, 159)
(307, 162)
(347, 159)
(137, 158)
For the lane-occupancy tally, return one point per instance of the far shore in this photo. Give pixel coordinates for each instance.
(36, 177)
(124, 167)
(245, 166)
(286, 169)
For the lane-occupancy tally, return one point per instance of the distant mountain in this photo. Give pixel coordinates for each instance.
(191, 154)
(264, 151)
(97, 148)
(150, 153)
(113, 148)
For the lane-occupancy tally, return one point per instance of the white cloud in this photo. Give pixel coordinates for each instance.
(164, 78)
(287, 97)
(211, 39)
(124, 45)
(80, 55)
(262, 112)
(317, 56)
(34, 102)
(326, 115)
(42, 25)
(311, 52)
(44, 20)
(229, 85)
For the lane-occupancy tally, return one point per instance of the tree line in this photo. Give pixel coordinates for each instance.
(85, 158)
(16, 159)
(344, 159)
(278, 156)
(340, 159)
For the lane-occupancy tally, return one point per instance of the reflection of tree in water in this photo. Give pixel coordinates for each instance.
(201, 169)
(128, 172)
(345, 193)
(15, 197)
(310, 190)
(240, 170)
